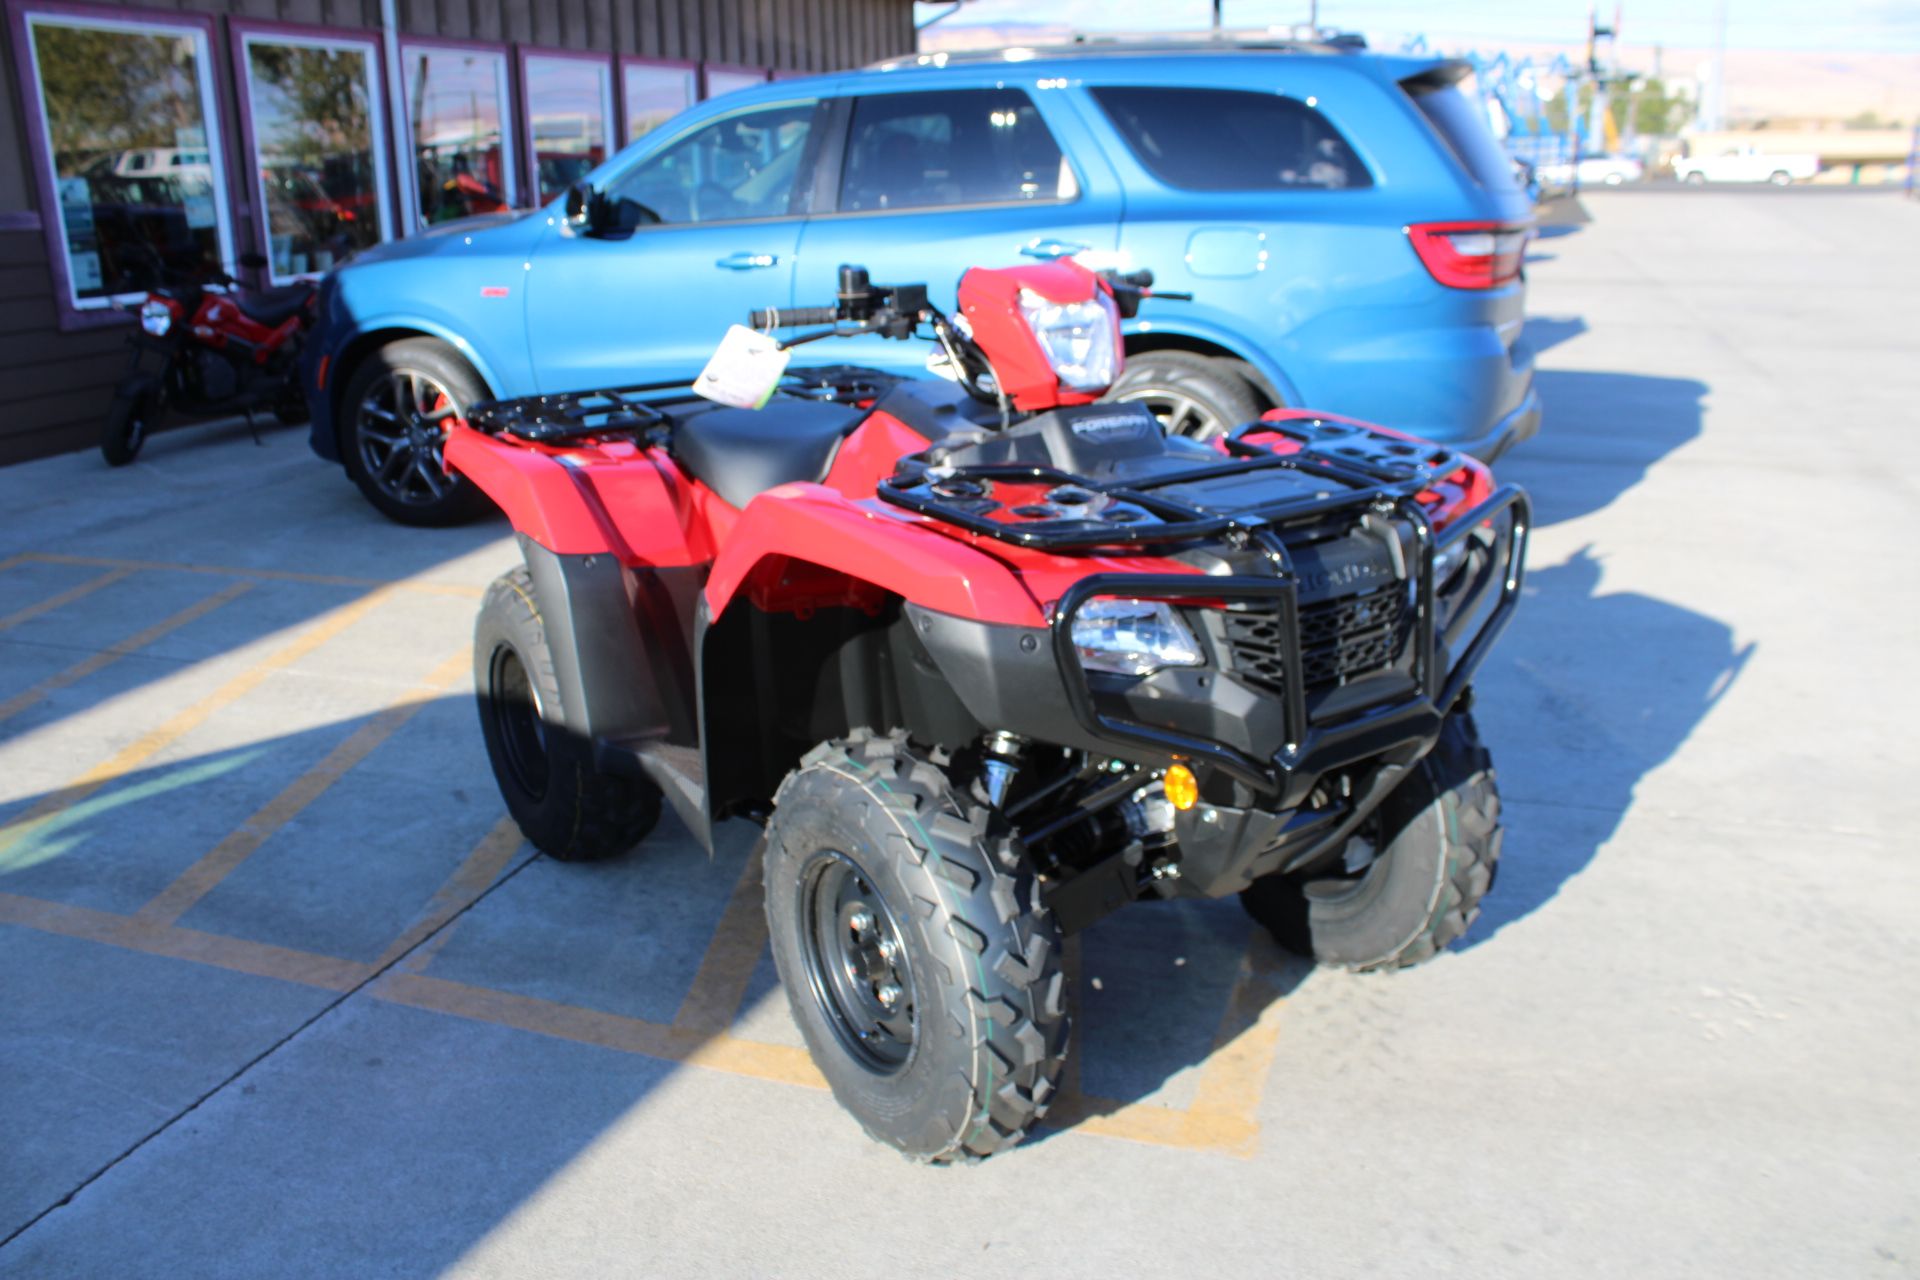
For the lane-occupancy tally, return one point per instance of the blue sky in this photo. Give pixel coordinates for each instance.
(1891, 26)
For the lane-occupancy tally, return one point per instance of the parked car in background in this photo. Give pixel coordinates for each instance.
(1747, 164)
(1593, 171)
(1350, 231)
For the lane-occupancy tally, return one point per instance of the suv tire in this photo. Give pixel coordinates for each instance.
(1195, 396)
(1438, 846)
(565, 806)
(391, 427)
(880, 874)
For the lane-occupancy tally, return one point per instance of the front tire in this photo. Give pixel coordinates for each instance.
(921, 963)
(1194, 396)
(129, 420)
(393, 427)
(1438, 845)
(562, 803)
(1780, 178)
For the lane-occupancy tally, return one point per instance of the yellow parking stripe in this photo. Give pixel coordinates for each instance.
(158, 739)
(235, 954)
(216, 864)
(66, 597)
(106, 657)
(720, 984)
(780, 1063)
(460, 590)
(462, 889)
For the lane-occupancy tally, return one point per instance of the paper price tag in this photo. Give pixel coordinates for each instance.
(745, 369)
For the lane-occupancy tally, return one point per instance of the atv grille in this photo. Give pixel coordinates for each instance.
(1340, 640)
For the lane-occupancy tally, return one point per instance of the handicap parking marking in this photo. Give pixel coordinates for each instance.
(219, 862)
(64, 598)
(185, 721)
(113, 653)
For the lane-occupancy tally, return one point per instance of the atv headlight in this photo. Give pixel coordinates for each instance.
(1080, 339)
(1132, 637)
(156, 317)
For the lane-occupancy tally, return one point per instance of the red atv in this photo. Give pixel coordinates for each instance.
(991, 660)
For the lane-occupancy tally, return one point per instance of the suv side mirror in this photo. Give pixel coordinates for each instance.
(580, 204)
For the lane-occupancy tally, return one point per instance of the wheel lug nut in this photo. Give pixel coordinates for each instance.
(889, 994)
(861, 921)
(889, 949)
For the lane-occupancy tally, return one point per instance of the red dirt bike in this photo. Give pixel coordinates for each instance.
(219, 351)
(991, 660)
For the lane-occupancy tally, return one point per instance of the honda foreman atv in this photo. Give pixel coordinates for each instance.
(991, 660)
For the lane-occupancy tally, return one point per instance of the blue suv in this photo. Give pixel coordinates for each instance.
(1349, 229)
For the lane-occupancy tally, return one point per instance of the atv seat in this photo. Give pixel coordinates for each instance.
(272, 307)
(741, 453)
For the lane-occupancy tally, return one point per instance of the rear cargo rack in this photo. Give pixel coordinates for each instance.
(634, 410)
(1363, 466)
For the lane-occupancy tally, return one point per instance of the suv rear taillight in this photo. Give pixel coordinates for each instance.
(1470, 255)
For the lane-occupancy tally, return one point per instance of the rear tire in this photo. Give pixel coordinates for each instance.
(1697, 179)
(1780, 178)
(1438, 840)
(880, 874)
(562, 803)
(1195, 396)
(129, 419)
(393, 419)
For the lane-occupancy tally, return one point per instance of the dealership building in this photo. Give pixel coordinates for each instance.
(137, 139)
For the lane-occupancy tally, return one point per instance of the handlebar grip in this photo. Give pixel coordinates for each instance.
(783, 317)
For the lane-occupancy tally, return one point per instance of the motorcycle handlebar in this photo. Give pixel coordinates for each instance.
(784, 317)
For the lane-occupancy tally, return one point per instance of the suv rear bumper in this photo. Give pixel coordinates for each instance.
(1522, 423)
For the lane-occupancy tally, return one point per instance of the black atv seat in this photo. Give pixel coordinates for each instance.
(272, 307)
(741, 453)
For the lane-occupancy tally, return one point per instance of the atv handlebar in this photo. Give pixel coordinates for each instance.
(783, 317)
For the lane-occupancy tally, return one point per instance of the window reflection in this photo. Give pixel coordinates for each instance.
(313, 147)
(655, 95)
(134, 175)
(454, 104)
(567, 111)
(726, 79)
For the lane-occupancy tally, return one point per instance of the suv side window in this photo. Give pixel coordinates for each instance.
(740, 166)
(955, 147)
(1232, 140)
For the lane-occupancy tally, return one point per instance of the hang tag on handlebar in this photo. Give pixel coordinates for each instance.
(745, 369)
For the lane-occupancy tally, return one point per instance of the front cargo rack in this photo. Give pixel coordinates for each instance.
(1053, 510)
(633, 411)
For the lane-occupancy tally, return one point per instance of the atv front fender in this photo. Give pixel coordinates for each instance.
(891, 551)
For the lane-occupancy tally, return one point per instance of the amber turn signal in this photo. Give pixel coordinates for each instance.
(1182, 789)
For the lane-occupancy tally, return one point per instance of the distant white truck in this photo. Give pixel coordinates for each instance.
(1747, 164)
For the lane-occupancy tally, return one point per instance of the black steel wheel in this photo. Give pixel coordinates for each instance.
(561, 802)
(921, 963)
(394, 418)
(129, 419)
(1424, 863)
(857, 967)
(1193, 395)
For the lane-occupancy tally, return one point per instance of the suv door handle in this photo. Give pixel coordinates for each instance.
(1049, 248)
(745, 261)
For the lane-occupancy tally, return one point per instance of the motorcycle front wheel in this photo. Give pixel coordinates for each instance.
(129, 419)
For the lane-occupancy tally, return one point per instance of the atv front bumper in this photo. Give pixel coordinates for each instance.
(1261, 742)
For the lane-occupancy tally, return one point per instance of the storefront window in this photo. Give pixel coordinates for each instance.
(655, 94)
(137, 188)
(314, 105)
(568, 110)
(726, 79)
(456, 106)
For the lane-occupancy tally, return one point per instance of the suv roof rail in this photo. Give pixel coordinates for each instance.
(1315, 42)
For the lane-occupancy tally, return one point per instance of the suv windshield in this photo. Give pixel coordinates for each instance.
(1456, 116)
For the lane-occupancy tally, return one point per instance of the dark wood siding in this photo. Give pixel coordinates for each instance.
(55, 385)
